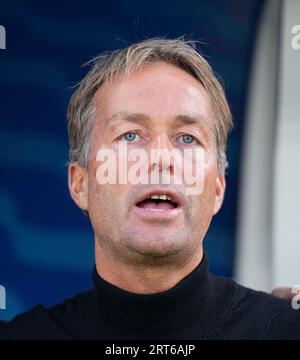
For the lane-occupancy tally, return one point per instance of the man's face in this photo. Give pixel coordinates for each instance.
(152, 109)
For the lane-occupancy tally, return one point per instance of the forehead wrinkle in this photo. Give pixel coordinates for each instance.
(128, 116)
(140, 117)
(198, 120)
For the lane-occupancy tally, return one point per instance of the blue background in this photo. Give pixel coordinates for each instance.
(46, 244)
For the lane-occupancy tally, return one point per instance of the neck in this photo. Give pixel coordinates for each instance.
(143, 277)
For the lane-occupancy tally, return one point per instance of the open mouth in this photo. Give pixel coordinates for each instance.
(158, 202)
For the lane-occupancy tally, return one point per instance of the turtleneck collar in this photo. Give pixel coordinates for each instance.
(168, 314)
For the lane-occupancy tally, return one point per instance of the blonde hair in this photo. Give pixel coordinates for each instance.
(109, 65)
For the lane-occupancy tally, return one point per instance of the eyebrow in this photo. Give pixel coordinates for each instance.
(197, 119)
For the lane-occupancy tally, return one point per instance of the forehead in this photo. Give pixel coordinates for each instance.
(159, 90)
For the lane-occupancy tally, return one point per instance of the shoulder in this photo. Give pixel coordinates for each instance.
(63, 321)
(258, 315)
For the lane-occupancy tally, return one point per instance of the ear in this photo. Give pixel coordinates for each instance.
(78, 185)
(220, 191)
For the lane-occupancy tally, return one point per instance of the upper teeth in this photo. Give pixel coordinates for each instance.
(160, 197)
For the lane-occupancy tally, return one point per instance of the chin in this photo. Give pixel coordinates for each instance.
(156, 246)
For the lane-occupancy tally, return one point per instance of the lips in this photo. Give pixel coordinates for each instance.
(159, 203)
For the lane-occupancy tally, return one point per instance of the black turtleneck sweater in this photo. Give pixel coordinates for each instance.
(200, 306)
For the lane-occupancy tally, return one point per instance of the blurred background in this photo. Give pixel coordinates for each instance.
(46, 243)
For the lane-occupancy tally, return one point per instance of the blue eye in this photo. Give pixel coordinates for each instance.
(130, 136)
(188, 139)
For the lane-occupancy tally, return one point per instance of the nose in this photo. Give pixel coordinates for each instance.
(161, 151)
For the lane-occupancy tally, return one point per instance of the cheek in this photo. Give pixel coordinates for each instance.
(104, 200)
(97, 193)
(210, 180)
(205, 201)
(102, 206)
(201, 172)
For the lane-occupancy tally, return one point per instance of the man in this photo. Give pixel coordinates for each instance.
(151, 275)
